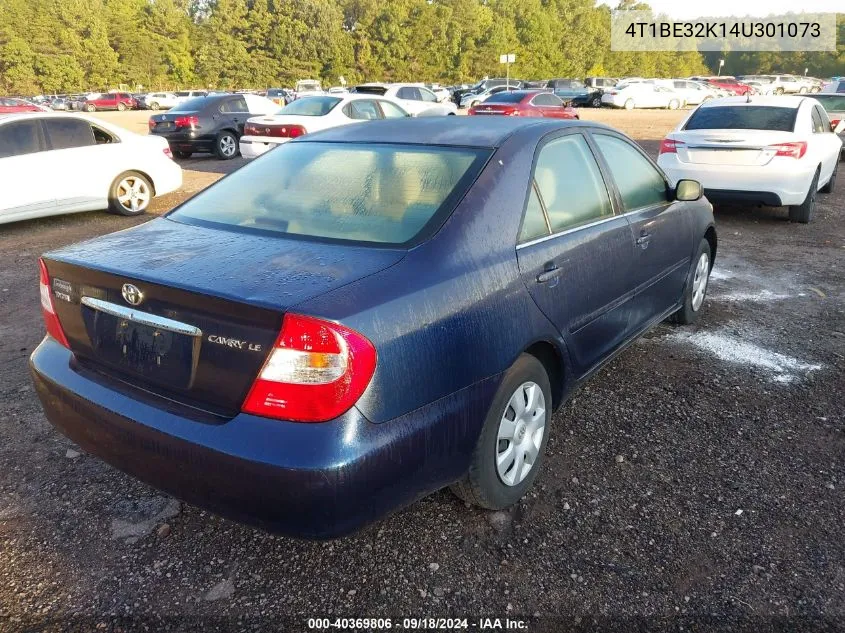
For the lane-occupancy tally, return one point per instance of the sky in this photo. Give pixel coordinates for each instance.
(685, 9)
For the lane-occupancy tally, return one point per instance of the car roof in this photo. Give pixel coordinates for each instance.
(456, 131)
(770, 101)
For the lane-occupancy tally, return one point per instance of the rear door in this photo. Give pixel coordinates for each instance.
(234, 113)
(549, 105)
(22, 154)
(575, 253)
(84, 168)
(660, 229)
(824, 146)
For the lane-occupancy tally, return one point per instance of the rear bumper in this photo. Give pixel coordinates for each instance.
(775, 184)
(305, 480)
(255, 146)
(188, 142)
(167, 178)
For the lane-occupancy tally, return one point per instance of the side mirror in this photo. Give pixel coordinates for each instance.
(688, 191)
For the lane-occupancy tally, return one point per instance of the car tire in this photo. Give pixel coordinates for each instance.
(778, 91)
(831, 184)
(485, 485)
(90, 108)
(674, 104)
(474, 103)
(226, 145)
(182, 154)
(695, 290)
(121, 107)
(596, 102)
(154, 105)
(803, 213)
(130, 194)
(802, 91)
(629, 104)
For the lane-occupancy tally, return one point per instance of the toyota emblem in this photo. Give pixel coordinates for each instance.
(132, 295)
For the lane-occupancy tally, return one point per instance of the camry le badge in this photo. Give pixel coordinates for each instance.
(132, 295)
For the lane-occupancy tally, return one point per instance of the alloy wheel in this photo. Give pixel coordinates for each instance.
(228, 145)
(133, 194)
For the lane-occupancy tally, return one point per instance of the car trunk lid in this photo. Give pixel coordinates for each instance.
(190, 313)
(729, 147)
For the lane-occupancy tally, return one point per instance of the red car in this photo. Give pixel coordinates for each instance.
(111, 101)
(730, 84)
(9, 105)
(525, 103)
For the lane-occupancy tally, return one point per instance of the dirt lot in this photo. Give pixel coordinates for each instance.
(695, 483)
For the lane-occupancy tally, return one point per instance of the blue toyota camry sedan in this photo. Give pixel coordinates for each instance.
(368, 314)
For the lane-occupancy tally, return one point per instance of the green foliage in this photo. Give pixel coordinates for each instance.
(51, 46)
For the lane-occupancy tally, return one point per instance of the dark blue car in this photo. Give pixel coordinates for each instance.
(366, 315)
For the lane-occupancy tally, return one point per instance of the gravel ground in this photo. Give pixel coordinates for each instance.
(694, 484)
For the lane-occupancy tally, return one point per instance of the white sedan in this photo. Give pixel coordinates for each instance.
(54, 163)
(641, 95)
(415, 98)
(776, 151)
(311, 114)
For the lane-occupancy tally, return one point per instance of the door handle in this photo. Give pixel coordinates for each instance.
(643, 240)
(550, 272)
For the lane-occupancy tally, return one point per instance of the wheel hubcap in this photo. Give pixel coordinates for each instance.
(133, 194)
(227, 145)
(520, 434)
(699, 282)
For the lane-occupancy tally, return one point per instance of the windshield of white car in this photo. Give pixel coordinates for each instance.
(311, 106)
(745, 117)
(831, 102)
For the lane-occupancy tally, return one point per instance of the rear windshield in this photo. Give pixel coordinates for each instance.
(383, 194)
(311, 106)
(743, 118)
(831, 102)
(506, 97)
(191, 105)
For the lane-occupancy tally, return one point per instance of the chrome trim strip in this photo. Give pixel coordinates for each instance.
(581, 227)
(144, 318)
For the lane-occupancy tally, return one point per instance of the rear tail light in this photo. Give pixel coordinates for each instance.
(54, 328)
(670, 146)
(151, 124)
(834, 123)
(514, 112)
(790, 150)
(187, 121)
(315, 372)
(274, 131)
(168, 153)
(613, 93)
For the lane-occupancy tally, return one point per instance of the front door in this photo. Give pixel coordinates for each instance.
(659, 227)
(575, 254)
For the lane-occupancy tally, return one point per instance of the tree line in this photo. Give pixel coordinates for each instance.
(58, 46)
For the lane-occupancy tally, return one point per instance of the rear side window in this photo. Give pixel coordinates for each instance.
(234, 105)
(363, 110)
(821, 124)
(383, 194)
(69, 133)
(570, 184)
(639, 182)
(20, 137)
(391, 110)
(547, 100)
(311, 106)
(534, 224)
(744, 117)
(409, 93)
